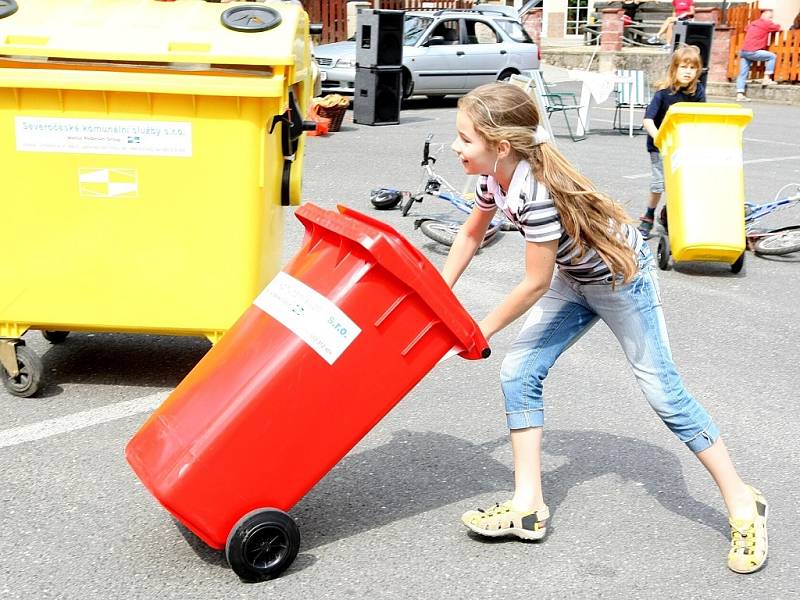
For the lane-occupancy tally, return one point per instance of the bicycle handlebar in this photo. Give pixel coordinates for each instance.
(426, 157)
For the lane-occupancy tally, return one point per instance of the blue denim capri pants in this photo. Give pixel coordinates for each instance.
(633, 313)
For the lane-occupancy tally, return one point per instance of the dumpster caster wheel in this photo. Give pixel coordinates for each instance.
(663, 253)
(262, 544)
(26, 383)
(55, 337)
(736, 267)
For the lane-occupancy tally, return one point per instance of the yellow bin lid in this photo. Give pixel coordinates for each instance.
(702, 112)
(149, 31)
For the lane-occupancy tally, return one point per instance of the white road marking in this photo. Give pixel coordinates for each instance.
(747, 162)
(771, 142)
(79, 420)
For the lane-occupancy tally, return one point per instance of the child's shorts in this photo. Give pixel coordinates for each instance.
(656, 173)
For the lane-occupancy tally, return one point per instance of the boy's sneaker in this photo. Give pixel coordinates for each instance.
(749, 538)
(742, 98)
(502, 520)
(766, 82)
(645, 226)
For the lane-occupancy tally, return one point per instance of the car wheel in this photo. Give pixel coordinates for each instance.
(408, 84)
(506, 75)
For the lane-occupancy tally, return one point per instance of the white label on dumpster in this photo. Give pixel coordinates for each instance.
(104, 136)
(704, 158)
(310, 315)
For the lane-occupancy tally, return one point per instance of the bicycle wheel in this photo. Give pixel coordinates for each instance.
(444, 232)
(781, 242)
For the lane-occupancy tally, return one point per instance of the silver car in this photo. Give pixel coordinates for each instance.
(444, 52)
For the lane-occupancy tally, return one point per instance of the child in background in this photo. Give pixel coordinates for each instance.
(754, 49)
(682, 10)
(583, 262)
(681, 84)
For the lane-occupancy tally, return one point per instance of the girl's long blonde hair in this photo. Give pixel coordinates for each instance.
(502, 111)
(684, 54)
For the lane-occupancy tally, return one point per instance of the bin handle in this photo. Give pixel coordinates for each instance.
(377, 224)
(480, 350)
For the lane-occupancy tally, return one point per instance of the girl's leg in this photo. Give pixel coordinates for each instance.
(735, 492)
(526, 445)
(634, 315)
(556, 322)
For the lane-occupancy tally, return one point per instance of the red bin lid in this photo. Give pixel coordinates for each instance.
(398, 256)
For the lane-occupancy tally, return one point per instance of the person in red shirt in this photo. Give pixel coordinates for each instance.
(754, 49)
(682, 10)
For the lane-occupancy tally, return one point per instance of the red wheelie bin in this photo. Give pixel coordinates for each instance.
(350, 325)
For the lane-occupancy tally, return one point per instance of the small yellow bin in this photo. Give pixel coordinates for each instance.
(701, 146)
(146, 151)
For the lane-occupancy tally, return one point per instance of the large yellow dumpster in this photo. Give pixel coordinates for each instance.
(146, 149)
(701, 145)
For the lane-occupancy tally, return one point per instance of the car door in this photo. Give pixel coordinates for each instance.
(437, 62)
(484, 53)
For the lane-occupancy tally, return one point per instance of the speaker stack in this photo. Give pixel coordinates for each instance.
(695, 33)
(379, 62)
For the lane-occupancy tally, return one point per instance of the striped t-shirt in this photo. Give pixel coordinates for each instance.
(529, 206)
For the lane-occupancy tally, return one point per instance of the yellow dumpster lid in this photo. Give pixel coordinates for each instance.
(147, 31)
(709, 112)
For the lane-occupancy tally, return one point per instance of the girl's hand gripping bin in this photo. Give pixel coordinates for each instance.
(351, 324)
(701, 145)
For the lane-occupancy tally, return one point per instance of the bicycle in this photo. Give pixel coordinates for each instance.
(439, 230)
(772, 242)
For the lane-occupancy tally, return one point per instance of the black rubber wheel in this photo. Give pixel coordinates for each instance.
(408, 84)
(262, 544)
(506, 75)
(736, 267)
(387, 200)
(26, 383)
(443, 232)
(782, 242)
(55, 337)
(663, 253)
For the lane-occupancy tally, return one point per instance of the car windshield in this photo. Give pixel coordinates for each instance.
(415, 26)
(514, 30)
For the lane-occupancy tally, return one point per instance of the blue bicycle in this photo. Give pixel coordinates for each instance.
(439, 230)
(774, 242)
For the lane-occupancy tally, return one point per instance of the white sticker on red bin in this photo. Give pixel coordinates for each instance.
(309, 315)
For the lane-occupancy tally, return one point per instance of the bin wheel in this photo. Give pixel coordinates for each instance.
(262, 544)
(26, 383)
(736, 267)
(663, 253)
(55, 337)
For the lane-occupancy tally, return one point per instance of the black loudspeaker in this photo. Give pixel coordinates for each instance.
(695, 33)
(376, 98)
(379, 38)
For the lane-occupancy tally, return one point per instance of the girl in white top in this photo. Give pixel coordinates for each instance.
(584, 262)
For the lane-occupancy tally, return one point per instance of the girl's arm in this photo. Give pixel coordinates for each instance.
(466, 244)
(650, 127)
(540, 260)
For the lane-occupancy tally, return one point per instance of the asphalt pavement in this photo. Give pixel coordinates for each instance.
(634, 513)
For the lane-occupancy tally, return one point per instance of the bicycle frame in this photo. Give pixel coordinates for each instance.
(433, 184)
(754, 212)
